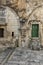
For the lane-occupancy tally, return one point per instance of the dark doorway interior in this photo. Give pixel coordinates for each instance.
(1, 32)
(12, 34)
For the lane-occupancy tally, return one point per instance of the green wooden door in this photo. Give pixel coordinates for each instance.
(35, 30)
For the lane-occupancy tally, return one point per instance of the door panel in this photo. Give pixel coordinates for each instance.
(35, 30)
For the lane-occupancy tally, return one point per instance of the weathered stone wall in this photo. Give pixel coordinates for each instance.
(29, 12)
(12, 25)
(34, 11)
(12, 22)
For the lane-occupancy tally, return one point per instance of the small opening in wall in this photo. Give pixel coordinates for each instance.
(1, 32)
(12, 34)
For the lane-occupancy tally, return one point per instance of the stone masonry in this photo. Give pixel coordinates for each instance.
(27, 13)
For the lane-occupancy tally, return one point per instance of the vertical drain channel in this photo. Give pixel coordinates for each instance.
(8, 56)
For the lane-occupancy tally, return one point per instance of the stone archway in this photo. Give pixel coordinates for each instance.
(11, 25)
(36, 17)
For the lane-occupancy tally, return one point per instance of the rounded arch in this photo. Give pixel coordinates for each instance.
(29, 17)
(12, 10)
(32, 20)
(9, 8)
(12, 20)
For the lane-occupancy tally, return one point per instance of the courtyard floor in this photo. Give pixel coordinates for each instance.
(21, 56)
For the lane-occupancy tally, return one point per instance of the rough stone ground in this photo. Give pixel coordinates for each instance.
(25, 56)
(4, 54)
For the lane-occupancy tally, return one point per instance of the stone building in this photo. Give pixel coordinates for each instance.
(9, 26)
(23, 23)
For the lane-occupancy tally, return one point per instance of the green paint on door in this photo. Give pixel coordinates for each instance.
(35, 30)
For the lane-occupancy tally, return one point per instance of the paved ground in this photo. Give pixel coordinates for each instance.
(23, 56)
(3, 55)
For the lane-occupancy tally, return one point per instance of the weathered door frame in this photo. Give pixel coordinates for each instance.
(35, 22)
